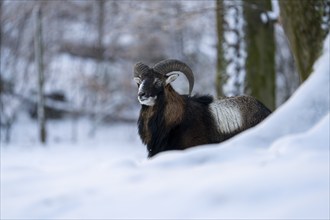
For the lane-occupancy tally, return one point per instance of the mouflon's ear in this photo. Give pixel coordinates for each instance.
(137, 80)
(171, 77)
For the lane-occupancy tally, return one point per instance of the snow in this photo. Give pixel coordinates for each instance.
(271, 15)
(268, 16)
(277, 170)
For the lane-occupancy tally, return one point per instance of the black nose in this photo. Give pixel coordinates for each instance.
(141, 94)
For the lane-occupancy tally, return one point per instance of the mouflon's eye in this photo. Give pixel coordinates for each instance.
(157, 82)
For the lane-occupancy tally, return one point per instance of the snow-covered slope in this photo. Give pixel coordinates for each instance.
(277, 170)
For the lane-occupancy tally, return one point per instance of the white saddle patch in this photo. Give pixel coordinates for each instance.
(227, 116)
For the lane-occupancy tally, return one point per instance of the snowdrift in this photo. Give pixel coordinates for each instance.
(277, 170)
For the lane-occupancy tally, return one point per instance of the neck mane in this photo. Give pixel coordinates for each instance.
(174, 106)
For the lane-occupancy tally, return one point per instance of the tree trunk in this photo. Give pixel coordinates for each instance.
(40, 68)
(1, 23)
(221, 76)
(101, 70)
(260, 48)
(302, 23)
(100, 27)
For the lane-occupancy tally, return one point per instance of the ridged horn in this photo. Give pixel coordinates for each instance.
(166, 66)
(140, 68)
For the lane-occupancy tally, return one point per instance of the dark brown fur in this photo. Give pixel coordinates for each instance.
(177, 122)
(174, 107)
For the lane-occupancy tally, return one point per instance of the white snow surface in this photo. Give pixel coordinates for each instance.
(277, 170)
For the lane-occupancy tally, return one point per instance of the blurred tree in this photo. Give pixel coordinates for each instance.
(303, 23)
(230, 50)
(130, 31)
(100, 26)
(8, 109)
(38, 42)
(0, 26)
(221, 74)
(260, 48)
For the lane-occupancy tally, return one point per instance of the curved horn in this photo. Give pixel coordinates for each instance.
(140, 68)
(166, 66)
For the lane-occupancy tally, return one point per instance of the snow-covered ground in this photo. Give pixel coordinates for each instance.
(277, 170)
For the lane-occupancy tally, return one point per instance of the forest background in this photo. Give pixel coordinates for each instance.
(71, 59)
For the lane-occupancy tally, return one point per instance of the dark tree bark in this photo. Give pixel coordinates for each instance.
(100, 26)
(260, 47)
(302, 23)
(40, 69)
(221, 76)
